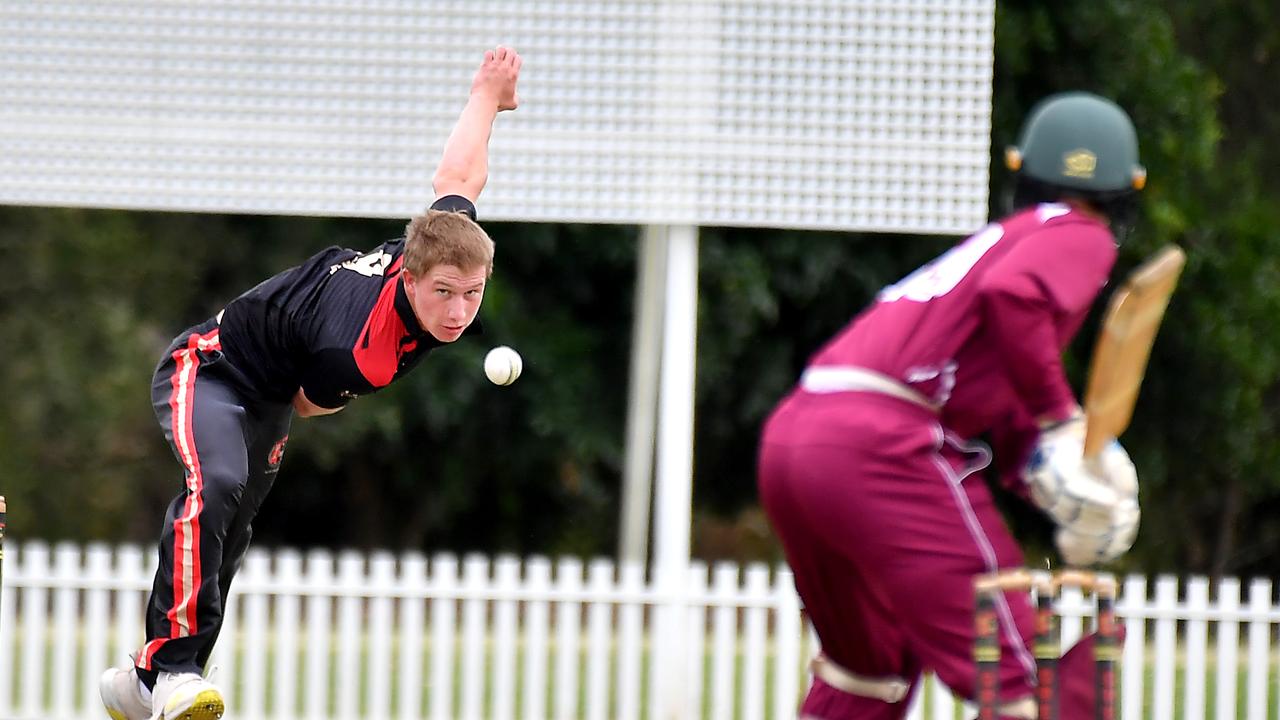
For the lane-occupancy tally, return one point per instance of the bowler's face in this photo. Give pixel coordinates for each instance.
(446, 298)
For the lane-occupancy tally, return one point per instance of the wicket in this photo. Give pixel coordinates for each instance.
(986, 648)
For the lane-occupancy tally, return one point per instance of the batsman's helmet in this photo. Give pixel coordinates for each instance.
(1077, 144)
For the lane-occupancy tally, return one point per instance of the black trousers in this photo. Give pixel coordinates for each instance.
(230, 449)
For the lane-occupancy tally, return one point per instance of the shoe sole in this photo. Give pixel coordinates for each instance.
(207, 705)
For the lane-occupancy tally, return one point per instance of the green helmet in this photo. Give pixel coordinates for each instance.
(1079, 141)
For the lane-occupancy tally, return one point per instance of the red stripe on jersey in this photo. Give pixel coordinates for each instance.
(377, 350)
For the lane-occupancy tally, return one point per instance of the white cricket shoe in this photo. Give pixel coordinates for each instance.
(122, 695)
(185, 696)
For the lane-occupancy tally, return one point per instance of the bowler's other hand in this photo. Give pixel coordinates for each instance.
(496, 78)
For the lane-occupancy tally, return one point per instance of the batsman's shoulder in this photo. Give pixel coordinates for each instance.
(1080, 231)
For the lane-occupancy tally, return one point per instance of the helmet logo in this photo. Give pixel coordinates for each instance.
(1079, 163)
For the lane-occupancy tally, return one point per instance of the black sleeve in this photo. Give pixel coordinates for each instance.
(455, 203)
(318, 377)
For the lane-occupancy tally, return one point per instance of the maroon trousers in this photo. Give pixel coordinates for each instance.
(885, 523)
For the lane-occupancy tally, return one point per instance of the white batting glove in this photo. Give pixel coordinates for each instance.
(1062, 485)
(1082, 550)
(1114, 466)
(1094, 503)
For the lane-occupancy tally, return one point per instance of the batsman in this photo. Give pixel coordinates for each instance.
(871, 468)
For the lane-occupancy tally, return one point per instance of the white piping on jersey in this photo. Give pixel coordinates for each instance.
(824, 379)
(944, 374)
(980, 538)
(1048, 211)
(973, 447)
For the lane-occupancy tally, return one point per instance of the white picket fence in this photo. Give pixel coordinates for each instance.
(384, 636)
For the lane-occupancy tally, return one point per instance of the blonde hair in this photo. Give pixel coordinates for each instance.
(440, 237)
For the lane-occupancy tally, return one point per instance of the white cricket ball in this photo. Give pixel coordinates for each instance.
(503, 365)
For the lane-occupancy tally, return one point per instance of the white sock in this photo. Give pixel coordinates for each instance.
(146, 692)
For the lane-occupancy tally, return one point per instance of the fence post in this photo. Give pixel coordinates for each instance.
(1197, 637)
(66, 622)
(786, 672)
(225, 656)
(1071, 612)
(630, 641)
(351, 575)
(1162, 691)
(382, 569)
(1259, 647)
(505, 638)
(1228, 646)
(942, 702)
(1132, 606)
(475, 581)
(443, 585)
(254, 639)
(287, 620)
(754, 649)
(130, 602)
(35, 567)
(319, 582)
(724, 629)
(536, 652)
(97, 603)
(599, 630)
(7, 617)
(568, 620)
(413, 582)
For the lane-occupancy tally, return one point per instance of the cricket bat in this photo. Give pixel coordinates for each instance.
(1124, 346)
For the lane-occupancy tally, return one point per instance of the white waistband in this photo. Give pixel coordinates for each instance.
(886, 689)
(849, 378)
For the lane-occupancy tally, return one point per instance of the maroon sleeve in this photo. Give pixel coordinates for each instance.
(1039, 290)
(1012, 442)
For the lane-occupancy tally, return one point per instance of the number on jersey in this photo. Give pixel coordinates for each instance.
(943, 274)
(371, 264)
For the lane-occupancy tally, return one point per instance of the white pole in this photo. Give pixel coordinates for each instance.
(642, 403)
(675, 470)
(688, 82)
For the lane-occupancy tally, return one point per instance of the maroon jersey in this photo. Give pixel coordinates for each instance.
(981, 329)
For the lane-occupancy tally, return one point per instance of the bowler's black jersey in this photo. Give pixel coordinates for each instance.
(339, 325)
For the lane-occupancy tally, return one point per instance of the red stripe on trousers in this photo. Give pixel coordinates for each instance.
(181, 404)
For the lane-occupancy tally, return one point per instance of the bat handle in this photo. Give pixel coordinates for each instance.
(1095, 444)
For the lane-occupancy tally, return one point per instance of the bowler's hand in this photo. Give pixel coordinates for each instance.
(496, 78)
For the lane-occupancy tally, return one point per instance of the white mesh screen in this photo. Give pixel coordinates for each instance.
(848, 114)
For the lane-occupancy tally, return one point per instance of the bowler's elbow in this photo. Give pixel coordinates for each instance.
(452, 182)
(303, 407)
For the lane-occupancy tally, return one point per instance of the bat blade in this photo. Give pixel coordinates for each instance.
(1124, 346)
